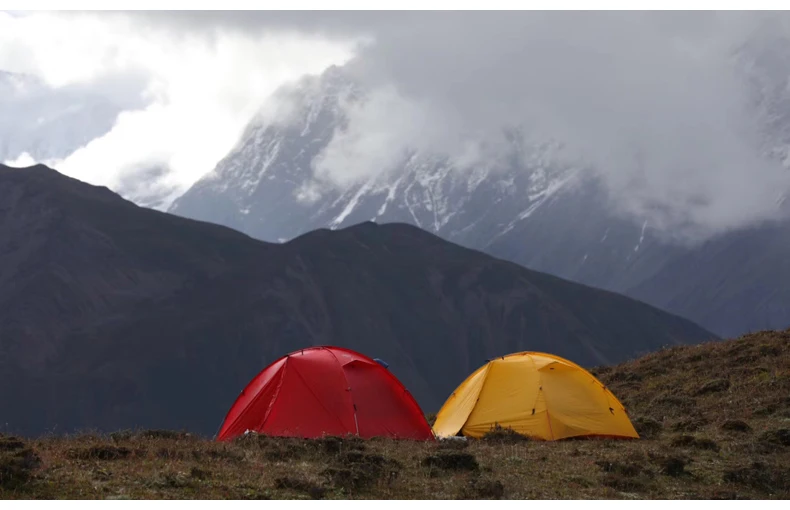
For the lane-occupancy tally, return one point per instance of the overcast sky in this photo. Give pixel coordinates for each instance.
(653, 101)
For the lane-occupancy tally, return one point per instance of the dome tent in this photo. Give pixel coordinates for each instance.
(326, 391)
(535, 394)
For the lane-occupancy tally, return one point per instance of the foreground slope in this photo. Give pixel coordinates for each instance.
(713, 419)
(117, 316)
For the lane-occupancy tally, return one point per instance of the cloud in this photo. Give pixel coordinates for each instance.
(198, 90)
(654, 103)
(373, 142)
(24, 160)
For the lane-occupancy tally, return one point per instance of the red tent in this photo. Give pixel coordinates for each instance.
(326, 391)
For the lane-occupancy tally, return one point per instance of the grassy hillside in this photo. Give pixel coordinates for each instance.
(715, 421)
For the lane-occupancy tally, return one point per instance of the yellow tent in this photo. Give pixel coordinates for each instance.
(537, 395)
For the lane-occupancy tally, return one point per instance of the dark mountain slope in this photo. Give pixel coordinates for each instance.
(120, 316)
(737, 282)
(72, 255)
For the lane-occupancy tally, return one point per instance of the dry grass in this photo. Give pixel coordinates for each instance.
(715, 421)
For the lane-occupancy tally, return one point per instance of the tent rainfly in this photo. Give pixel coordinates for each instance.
(535, 394)
(326, 391)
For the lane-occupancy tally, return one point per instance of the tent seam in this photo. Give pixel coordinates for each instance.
(276, 394)
(482, 386)
(351, 391)
(255, 399)
(540, 390)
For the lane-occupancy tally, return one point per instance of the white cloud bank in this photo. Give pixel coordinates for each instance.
(199, 89)
(654, 101)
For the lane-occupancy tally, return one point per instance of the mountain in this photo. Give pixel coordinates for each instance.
(524, 206)
(116, 316)
(740, 281)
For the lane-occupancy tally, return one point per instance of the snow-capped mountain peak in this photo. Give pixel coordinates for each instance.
(527, 203)
(271, 173)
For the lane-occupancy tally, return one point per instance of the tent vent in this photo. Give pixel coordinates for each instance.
(533, 411)
(611, 410)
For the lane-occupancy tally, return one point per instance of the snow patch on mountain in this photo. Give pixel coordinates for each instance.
(349, 207)
(541, 189)
(641, 236)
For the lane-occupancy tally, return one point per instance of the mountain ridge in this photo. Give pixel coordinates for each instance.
(116, 316)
